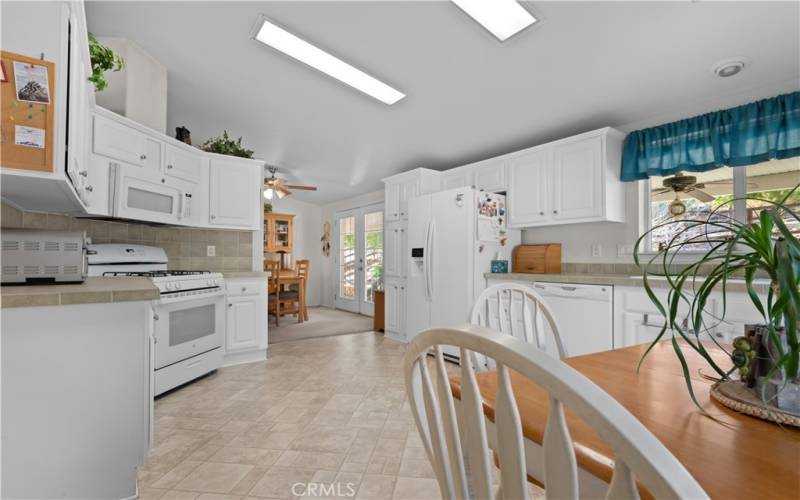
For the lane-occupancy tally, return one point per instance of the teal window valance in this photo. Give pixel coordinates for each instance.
(744, 135)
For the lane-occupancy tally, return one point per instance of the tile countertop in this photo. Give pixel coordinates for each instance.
(95, 290)
(734, 285)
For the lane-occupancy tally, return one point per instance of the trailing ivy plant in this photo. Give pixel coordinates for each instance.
(224, 145)
(765, 246)
(103, 59)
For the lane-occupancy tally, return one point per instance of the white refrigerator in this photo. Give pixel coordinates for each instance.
(452, 238)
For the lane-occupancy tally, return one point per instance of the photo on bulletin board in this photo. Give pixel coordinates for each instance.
(3, 74)
(32, 83)
(30, 137)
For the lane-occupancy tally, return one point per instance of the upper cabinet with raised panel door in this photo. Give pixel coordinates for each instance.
(490, 175)
(183, 164)
(458, 177)
(567, 181)
(402, 187)
(234, 198)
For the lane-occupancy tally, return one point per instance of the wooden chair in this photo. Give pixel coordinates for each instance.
(273, 267)
(519, 311)
(302, 266)
(456, 441)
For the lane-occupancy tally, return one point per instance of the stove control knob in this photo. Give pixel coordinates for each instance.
(177, 286)
(168, 286)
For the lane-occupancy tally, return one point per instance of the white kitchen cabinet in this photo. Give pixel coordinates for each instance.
(246, 320)
(120, 142)
(234, 192)
(396, 249)
(490, 175)
(395, 304)
(530, 206)
(402, 187)
(568, 181)
(183, 164)
(457, 178)
(577, 179)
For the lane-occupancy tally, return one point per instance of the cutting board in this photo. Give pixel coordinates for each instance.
(537, 259)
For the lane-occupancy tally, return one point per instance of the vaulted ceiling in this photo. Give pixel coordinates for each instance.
(585, 65)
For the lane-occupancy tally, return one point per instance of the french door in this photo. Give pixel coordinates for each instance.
(359, 257)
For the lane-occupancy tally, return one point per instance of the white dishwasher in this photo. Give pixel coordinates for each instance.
(584, 315)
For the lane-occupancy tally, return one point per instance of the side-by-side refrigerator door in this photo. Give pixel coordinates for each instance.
(418, 297)
(452, 241)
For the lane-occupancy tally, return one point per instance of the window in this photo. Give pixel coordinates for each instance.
(708, 196)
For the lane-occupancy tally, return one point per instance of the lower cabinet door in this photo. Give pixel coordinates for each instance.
(392, 311)
(242, 324)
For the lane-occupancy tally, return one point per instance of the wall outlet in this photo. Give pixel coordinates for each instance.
(211, 251)
(597, 250)
(624, 250)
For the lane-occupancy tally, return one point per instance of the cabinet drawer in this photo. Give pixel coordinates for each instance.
(173, 375)
(245, 288)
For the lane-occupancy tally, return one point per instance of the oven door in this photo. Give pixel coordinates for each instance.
(142, 195)
(185, 328)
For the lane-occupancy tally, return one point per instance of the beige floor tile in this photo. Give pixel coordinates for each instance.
(328, 439)
(180, 495)
(277, 482)
(211, 477)
(249, 456)
(389, 447)
(415, 468)
(244, 486)
(174, 476)
(347, 402)
(415, 489)
(147, 493)
(375, 487)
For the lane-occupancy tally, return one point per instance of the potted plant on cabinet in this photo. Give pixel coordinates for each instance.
(224, 145)
(768, 358)
(103, 59)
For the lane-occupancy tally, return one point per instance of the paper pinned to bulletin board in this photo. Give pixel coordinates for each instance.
(27, 116)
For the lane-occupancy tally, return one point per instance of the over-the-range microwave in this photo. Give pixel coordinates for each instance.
(136, 193)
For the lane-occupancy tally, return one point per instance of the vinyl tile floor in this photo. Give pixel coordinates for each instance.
(320, 418)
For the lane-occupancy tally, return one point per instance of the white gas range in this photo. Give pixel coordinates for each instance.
(189, 317)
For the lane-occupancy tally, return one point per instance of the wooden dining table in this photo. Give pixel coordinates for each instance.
(288, 277)
(735, 456)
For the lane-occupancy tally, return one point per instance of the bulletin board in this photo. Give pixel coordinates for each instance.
(27, 94)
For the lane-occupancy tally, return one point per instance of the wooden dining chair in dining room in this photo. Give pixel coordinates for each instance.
(519, 311)
(302, 267)
(273, 268)
(457, 438)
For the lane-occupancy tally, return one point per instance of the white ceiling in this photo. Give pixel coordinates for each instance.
(586, 65)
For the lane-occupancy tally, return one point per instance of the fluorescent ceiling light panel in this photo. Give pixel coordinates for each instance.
(293, 46)
(503, 18)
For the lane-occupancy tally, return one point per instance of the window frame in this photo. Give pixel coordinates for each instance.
(645, 202)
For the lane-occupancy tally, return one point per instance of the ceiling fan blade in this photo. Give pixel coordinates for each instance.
(305, 188)
(700, 195)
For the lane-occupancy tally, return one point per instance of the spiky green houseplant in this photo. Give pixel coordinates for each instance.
(103, 59)
(765, 247)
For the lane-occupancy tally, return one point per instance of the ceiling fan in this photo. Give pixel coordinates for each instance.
(682, 183)
(277, 186)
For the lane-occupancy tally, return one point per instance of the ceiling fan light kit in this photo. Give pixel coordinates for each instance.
(275, 186)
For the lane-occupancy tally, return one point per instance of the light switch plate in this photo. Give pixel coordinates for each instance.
(597, 250)
(624, 250)
(211, 251)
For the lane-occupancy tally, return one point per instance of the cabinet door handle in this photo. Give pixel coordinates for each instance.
(541, 213)
(213, 217)
(169, 166)
(142, 157)
(555, 211)
(83, 173)
(230, 305)
(89, 188)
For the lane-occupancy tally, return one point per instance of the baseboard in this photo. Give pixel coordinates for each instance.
(240, 358)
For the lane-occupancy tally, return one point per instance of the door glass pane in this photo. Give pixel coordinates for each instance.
(373, 253)
(690, 197)
(190, 324)
(281, 233)
(149, 200)
(347, 257)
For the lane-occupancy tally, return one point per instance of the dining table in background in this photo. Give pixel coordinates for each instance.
(735, 456)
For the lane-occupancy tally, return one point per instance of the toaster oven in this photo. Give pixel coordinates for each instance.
(38, 256)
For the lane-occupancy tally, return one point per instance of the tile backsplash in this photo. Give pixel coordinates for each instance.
(186, 247)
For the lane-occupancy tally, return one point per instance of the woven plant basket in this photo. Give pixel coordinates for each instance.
(737, 396)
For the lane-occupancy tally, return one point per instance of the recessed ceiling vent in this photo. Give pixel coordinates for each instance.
(729, 67)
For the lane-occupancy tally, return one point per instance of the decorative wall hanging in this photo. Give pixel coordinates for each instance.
(326, 239)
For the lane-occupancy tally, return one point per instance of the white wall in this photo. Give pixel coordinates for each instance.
(307, 244)
(328, 214)
(576, 239)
